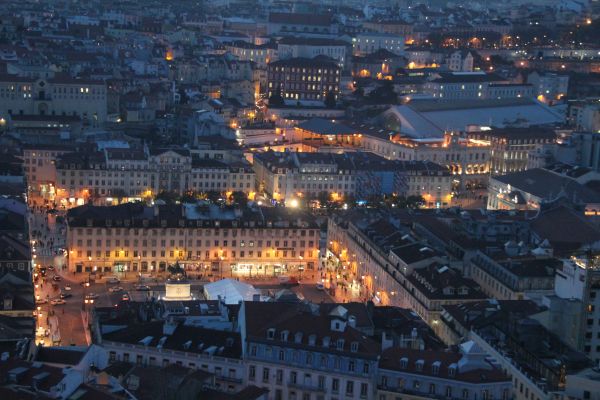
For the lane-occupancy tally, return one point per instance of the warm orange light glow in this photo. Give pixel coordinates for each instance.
(169, 55)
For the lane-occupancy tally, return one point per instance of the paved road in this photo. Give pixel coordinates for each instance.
(307, 291)
(70, 323)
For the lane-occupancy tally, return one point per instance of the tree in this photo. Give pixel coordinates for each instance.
(323, 198)
(384, 94)
(330, 99)
(167, 197)
(213, 196)
(239, 198)
(276, 98)
(189, 197)
(414, 201)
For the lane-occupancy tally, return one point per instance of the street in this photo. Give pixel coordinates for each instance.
(65, 324)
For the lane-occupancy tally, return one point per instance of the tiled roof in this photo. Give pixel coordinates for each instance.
(303, 322)
(391, 360)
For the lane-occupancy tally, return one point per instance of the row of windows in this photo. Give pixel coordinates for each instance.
(202, 232)
(221, 254)
(433, 389)
(306, 379)
(207, 243)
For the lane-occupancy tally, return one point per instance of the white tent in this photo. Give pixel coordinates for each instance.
(230, 290)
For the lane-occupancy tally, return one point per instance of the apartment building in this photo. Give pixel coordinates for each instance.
(261, 54)
(301, 23)
(293, 47)
(462, 85)
(370, 42)
(510, 148)
(513, 275)
(111, 174)
(199, 336)
(220, 241)
(467, 159)
(39, 168)
(304, 354)
(422, 374)
(305, 80)
(66, 96)
(394, 267)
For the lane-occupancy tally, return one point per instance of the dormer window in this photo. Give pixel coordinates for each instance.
(404, 363)
(435, 368)
(354, 347)
(312, 340)
(298, 337)
(452, 370)
(284, 336)
(340, 344)
(419, 364)
(271, 333)
(326, 341)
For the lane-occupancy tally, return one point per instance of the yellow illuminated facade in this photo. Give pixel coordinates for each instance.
(217, 248)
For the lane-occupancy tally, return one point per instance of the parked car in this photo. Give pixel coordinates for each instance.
(57, 302)
(113, 279)
(115, 289)
(67, 287)
(91, 296)
(320, 286)
(125, 297)
(41, 301)
(142, 288)
(65, 295)
(56, 278)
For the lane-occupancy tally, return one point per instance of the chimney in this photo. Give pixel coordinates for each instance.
(386, 342)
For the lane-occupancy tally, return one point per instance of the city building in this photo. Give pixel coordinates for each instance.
(304, 80)
(370, 42)
(301, 23)
(418, 374)
(510, 148)
(425, 118)
(307, 351)
(358, 175)
(549, 87)
(527, 190)
(462, 85)
(119, 174)
(261, 54)
(220, 241)
(294, 47)
(83, 98)
(513, 274)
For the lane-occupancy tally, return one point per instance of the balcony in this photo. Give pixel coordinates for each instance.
(227, 378)
(306, 386)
